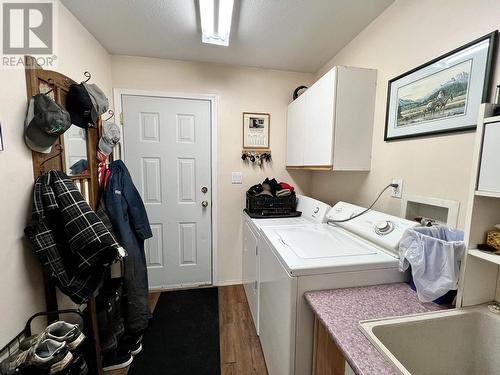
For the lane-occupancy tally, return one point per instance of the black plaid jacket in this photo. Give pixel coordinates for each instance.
(70, 240)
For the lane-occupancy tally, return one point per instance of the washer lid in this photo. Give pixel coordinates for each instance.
(314, 242)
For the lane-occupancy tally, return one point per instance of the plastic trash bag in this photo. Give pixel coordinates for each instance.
(434, 254)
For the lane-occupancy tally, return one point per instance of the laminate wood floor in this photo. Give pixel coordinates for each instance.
(240, 350)
(241, 353)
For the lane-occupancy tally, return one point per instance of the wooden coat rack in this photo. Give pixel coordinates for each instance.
(57, 86)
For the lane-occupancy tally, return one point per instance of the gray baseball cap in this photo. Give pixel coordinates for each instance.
(45, 122)
(100, 103)
(111, 135)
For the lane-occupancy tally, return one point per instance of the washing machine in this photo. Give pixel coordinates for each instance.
(313, 212)
(297, 259)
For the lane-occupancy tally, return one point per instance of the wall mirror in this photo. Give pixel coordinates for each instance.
(75, 151)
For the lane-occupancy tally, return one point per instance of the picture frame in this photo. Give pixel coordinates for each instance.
(442, 95)
(256, 130)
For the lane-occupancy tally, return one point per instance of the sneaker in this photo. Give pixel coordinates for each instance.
(46, 356)
(78, 366)
(130, 344)
(116, 361)
(58, 331)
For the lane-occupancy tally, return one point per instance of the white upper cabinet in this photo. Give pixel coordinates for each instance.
(330, 126)
(318, 129)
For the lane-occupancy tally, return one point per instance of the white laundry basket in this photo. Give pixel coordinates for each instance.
(434, 254)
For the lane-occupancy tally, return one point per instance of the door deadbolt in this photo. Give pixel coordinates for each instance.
(204, 189)
(204, 204)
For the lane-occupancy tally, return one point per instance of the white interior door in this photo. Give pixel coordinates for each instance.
(167, 150)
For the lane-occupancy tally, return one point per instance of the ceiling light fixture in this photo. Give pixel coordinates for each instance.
(224, 11)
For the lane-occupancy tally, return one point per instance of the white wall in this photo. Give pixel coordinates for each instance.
(239, 90)
(406, 35)
(21, 287)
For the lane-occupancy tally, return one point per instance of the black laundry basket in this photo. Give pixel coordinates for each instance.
(266, 205)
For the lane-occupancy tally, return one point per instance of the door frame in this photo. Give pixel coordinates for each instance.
(214, 104)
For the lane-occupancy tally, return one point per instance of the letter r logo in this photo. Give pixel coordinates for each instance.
(27, 28)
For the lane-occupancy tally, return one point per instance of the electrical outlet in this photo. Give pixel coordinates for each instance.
(397, 192)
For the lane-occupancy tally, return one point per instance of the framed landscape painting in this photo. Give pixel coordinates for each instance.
(442, 95)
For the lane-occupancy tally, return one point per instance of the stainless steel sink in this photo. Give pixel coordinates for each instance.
(459, 342)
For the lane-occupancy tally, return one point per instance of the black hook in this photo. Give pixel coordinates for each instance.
(88, 75)
(50, 81)
(111, 115)
(58, 147)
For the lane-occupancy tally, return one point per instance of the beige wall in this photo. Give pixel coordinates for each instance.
(239, 90)
(21, 287)
(408, 34)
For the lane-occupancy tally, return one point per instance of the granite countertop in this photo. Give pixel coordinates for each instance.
(340, 310)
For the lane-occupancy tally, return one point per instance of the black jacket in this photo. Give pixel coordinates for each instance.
(71, 242)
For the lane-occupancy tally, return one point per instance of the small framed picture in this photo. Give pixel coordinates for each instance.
(256, 127)
(1, 138)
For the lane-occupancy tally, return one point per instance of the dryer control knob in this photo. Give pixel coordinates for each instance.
(383, 227)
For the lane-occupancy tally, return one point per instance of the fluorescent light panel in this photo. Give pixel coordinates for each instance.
(210, 34)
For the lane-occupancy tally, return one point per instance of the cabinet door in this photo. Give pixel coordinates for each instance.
(327, 357)
(354, 109)
(319, 121)
(250, 264)
(489, 178)
(295, 132)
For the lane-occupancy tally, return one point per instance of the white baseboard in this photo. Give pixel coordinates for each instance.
(165, 288)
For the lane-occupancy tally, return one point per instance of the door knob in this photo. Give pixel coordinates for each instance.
(204, 204)
(204, 189)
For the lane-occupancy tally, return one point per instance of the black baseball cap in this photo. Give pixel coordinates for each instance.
(85, 103)
(45, 122)
(79, 106)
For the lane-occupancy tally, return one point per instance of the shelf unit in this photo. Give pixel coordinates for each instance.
(489, 120)
(480, 271)
(494, 258)
(491, 194)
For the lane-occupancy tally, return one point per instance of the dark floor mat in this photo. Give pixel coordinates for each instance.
(183, 337)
